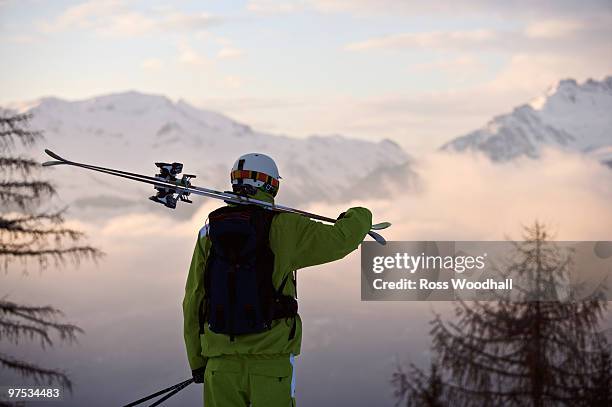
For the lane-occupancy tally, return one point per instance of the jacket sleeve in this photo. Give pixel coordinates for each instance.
(194, 293)
(318, 243)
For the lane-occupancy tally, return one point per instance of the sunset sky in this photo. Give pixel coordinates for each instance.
(417, 72)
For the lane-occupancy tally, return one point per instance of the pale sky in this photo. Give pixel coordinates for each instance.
(417, 72)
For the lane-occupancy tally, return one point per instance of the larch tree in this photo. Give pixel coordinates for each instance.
(32, 235)
(528, 352)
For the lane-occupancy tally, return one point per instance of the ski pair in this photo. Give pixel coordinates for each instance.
(171, 190)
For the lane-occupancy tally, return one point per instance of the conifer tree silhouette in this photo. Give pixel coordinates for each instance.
(518, 353)
(30, 234)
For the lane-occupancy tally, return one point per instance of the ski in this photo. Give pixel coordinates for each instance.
(381, 225)
(171, 190)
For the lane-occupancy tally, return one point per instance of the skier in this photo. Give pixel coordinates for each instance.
(241, 326)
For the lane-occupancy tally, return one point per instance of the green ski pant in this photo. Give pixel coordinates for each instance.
(243, 381)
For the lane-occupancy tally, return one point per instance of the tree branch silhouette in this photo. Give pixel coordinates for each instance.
(28, 235)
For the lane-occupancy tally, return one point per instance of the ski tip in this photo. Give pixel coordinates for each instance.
(51, 163)
(378, 238)
(53, 155)
(381, 225)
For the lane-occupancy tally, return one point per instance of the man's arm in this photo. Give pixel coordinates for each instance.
(194, 293)
(318, 243)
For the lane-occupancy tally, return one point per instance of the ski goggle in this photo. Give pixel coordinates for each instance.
(270, 184)
(255, 176)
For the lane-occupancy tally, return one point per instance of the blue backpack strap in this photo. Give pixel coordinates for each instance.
(202, 307)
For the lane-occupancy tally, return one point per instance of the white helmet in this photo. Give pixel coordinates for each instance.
(257, 170)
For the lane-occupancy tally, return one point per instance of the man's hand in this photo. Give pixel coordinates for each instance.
(198, 375)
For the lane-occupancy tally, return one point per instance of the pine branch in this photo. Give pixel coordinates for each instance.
(16, 127)
(28, 136)
(455, 356)
(40, 321)
(14, 222)
(476, 348)
(500, 319)
(30, 236)
(8, 306)
(25, 194)
(13, 164)
(13, 120)
(418, 389)
(35, 225)
(37, 373)
(19, 199)
(13, 331)
(67, 332)
(86, 251)
(58, 255)
(44, 317)
(37, 188)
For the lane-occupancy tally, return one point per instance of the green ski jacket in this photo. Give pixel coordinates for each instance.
(296, 242)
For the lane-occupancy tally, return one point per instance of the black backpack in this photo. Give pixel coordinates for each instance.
(240, 297)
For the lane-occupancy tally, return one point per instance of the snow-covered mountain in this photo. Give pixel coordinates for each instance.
(133, 130)
(571, 116)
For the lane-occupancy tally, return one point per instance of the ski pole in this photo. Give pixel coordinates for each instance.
(172, 393)
(172, 389)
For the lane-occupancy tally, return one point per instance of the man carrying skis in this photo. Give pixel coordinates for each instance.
(241, 326)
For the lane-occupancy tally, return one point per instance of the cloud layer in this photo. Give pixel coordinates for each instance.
(116, 18)
(507, 9)
(129, 304)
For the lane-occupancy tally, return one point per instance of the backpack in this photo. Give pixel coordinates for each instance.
(240, 297)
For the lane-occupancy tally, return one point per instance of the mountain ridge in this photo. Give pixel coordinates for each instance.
(569, 115)
(131, 130)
